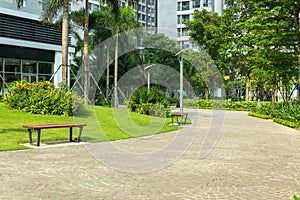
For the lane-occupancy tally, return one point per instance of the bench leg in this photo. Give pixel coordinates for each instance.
(38, 137)
(185, 118)
(71, 134)
(79, 134)
(30, 136)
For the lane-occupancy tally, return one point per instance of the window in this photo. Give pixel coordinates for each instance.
(185, 18)
(42, 4)
(1, 65)
(185, 32)
(45, 68)
(207, 3)
(93, 7)
(179, 32)
(196, 3)
(12, 66)
(29, 67)
(185, 5)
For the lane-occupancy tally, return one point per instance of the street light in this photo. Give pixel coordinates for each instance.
(148, 74)
(181, 78)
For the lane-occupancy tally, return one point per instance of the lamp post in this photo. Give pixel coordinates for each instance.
(181, 78)
(148, 75)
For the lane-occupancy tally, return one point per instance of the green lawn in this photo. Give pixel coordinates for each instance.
(103, 124)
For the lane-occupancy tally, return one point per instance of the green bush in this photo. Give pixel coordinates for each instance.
(42, 98)
(253, 114)
(242, 105)
(191, 103)
(205, 103)
(263, 109)
(224, 105)
(285, 122)
(150, 102)
(288, 111)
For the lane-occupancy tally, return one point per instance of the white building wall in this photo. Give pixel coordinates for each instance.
(166, 18)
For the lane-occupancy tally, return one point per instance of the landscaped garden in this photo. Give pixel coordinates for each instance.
(39, 103)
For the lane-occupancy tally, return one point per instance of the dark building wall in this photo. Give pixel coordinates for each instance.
(7, 51)
(26, 29)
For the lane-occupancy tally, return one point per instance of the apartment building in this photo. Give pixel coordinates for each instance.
(185, 10)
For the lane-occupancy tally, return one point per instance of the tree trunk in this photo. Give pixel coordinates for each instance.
(65, 33)
(299, 76)
(207, 93)
(247, 86)
(116, 102)
(86, 54)
(107, 73)
(297, 26)
(273, 94)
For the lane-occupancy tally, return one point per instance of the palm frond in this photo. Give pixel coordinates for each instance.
(51, 10)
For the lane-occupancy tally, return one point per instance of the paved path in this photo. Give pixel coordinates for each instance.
(252, 159)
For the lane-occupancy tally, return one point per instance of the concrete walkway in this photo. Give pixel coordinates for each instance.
(251, 159)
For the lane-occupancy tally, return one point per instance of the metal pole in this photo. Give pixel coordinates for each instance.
(69, 75)
(181, 86)
(148, 79)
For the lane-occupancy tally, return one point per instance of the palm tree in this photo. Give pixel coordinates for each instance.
(51, 10)
(53, 6)
(115, 9)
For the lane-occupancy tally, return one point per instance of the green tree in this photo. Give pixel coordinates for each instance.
(205, 30)
(106, 24)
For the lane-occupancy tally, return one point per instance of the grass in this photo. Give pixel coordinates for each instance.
(103, 124)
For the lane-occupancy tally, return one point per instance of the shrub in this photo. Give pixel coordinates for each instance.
(149, 102)
(263, 109)
(192, 103)
(242, 105)
(223, 104)
(42, 98)
(285, 122)
(205, 103)
(253, 114)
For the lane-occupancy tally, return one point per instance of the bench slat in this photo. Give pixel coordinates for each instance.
(45, 126)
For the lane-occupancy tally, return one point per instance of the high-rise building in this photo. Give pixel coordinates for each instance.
(185, 10)
(145, 10)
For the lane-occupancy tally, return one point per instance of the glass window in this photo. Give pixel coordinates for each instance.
(185, 18)
(12, 65)
(12, 77)
(45, 68)
(29, 67)
(186, 5)
(42, 4)
(207, 3)
(196, 3)
(178, 6)
(185, 32)
(1, 65)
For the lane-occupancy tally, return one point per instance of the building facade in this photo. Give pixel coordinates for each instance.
(185, 10)
(28, 49)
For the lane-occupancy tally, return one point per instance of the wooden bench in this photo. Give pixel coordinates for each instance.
(38, 128)
(179, 114)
